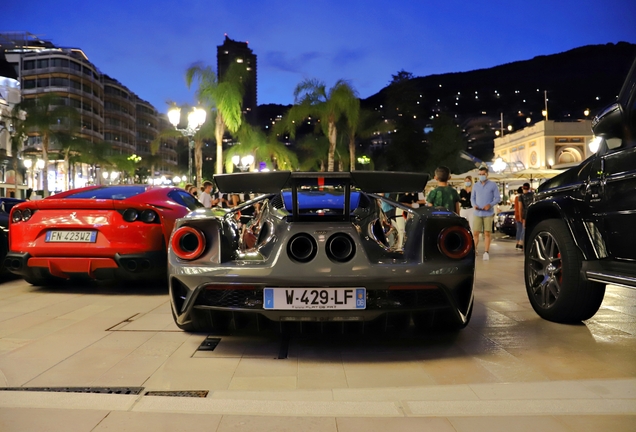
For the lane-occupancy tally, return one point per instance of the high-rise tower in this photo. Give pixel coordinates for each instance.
(233, 51)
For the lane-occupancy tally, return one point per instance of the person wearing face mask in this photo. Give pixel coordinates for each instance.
(466, 210)
(484, 197)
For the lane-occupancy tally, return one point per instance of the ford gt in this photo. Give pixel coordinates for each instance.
(321, 247)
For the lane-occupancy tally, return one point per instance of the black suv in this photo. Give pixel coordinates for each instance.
(581, 230)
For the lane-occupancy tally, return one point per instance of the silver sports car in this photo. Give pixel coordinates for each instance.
(319, 247)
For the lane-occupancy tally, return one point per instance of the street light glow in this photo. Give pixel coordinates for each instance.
(173, 115)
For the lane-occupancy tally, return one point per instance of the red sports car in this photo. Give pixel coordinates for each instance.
(100, 232)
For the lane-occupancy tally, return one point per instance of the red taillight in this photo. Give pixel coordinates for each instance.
(188, 243)
(455, 242)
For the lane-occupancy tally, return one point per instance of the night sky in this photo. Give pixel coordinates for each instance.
(148, 45)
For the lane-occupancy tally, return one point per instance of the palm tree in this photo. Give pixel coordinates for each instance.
(254, 141)
(224, 95)
(364, 124)
(46, 119)
(98, 153)
(206, 132)
(311, 98)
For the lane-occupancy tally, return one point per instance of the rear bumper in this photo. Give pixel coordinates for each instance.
(454, 292)
(142, 266)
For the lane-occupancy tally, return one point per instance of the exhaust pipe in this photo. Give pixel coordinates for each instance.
(131, 265)
(302, 248)
(16, 264)
(340, 248)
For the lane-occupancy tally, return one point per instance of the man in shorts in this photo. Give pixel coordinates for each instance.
(484, 197)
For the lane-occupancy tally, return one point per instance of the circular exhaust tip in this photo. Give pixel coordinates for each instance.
(16, 264)
(302, 248)
(131, 265)
(340, 248)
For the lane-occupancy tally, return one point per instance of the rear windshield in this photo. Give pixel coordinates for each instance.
(109, 192)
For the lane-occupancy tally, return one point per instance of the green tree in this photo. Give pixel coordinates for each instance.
(47, 119)
(363, 126)
(311, 98)
(97, 154)
(445, 142)
(224, 96)
(313, 150)
(266, 149)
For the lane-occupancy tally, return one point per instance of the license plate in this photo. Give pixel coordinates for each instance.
(314, 298)
(71, 236)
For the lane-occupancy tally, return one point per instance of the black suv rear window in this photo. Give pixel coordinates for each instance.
(110, 192)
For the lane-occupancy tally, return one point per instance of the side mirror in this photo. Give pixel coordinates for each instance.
(609, 122)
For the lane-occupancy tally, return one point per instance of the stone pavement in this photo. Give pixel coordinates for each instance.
(508, 370)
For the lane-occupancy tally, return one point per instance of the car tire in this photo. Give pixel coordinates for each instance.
(552, 271)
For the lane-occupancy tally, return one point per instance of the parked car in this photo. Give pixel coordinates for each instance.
(506, 223)
(320, 247)
(580, 232)
(100, 232)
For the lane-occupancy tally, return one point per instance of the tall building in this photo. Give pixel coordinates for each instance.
(108, 111)
(232, 51)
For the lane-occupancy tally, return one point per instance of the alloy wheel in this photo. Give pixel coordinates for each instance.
(544, 271)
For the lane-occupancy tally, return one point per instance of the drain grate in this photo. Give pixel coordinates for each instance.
(209, 343)
(183, 393)
(103, 390)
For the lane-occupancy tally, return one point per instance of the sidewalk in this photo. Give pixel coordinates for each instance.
(508, 370)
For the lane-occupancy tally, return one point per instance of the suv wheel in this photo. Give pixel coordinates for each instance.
(554, 282)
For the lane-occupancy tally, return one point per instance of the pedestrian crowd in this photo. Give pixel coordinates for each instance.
(213, 198)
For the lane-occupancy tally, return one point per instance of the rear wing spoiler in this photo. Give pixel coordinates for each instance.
(367, 181)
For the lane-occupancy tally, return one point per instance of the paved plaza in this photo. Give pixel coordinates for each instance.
(508, 370)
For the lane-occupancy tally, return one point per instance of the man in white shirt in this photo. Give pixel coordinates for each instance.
(205, 197)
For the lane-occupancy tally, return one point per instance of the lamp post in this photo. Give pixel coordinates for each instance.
(243, 163)
(195, 120)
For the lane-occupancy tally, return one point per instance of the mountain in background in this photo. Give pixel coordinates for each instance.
(583, 78)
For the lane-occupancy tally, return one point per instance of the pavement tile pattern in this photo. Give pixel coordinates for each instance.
(508, 370)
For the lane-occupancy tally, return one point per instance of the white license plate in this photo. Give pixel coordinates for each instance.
(314, 298)
(71, 236)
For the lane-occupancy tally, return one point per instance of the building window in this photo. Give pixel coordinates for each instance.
(43, 63)
(28, 65)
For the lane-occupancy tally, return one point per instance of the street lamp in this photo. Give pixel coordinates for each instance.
(195, 119)
(243, 163)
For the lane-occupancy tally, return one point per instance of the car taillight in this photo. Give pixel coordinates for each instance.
(22, 215)
(455, 242)
(146, 216)
(16, 216)
(188, 243)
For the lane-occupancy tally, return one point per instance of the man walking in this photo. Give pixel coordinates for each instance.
(484, 197)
